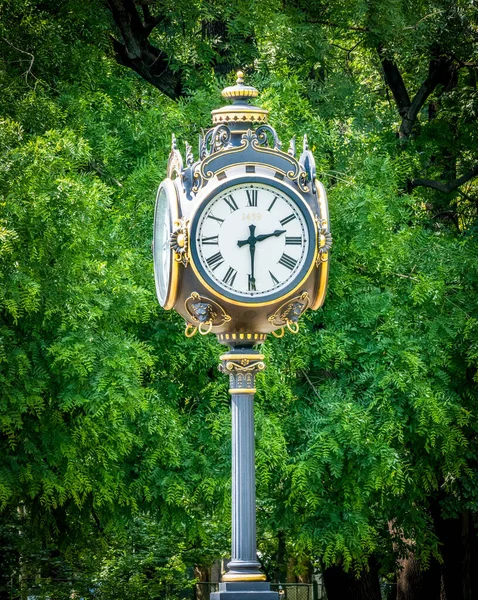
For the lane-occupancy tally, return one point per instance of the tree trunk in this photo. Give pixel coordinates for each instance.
(342, 585)
(470, 556)
(305, 571)
(414, 583)
(460, 553)
(291, 566)
(202, 573)
(136, 52)
(280, 571)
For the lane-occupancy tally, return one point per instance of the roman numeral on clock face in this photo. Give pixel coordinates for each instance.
(274, 279)
(211, 216)
(251, 283)
(293, 241)
(215, 260)
(251, 197)
(288, 219)
(230, 276)
(287, 261)
(231, 203)
(212, 240)
(272, 203)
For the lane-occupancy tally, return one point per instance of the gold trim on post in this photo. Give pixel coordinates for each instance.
(244, 577)
(242, 356)
(234, 337)
(242, 391)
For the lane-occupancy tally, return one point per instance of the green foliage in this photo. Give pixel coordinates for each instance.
(115, 429)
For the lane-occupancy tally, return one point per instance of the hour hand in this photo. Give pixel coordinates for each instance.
(251, 240)
(264, 236)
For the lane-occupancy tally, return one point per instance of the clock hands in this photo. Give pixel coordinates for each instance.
(264, 236)
(252, 240)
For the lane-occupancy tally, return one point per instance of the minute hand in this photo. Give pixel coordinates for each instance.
(264, 236)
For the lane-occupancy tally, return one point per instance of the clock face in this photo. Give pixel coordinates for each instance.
(166, 205)
(253, 242)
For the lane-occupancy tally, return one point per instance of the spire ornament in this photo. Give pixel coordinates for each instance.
(240, 111)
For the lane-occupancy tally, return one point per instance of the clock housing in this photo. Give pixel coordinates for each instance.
(251, 238)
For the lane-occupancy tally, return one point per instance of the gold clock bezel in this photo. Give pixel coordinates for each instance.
(324, 266)
(233, 181)
(173, 200)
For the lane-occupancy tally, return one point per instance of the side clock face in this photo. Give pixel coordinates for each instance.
(165, 269)
(253, 242)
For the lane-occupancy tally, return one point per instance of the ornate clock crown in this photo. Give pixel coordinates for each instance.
(240, 111)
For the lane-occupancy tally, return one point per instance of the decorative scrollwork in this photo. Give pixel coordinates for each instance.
(189, 155)
(202, 146)
(243, 365)
(205, 313)
(291, 150)
(262, 133)
(216, 155)
(289, 313)
(324, 241)
(302, 181)
(248, 138)
(179, 242)
(175, 160)
(307, 162)
(217, 139)
(198, 180)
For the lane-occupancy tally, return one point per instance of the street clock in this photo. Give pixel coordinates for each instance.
(241, 234)
(241, 249)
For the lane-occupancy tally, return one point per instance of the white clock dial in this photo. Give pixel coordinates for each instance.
(164, 215)
(252, 240)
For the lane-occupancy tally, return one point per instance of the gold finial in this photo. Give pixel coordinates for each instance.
(240, 110)
(239, 91)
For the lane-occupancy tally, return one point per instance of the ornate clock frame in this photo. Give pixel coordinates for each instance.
(234, 151)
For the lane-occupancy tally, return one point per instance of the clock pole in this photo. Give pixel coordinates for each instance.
(242, 363)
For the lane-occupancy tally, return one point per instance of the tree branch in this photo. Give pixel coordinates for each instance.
(446, 188)
(137, 53)
(441, 71)
(32, 59)
(395, 82)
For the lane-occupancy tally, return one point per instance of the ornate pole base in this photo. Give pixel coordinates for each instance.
(244, 578)
(245, 590)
